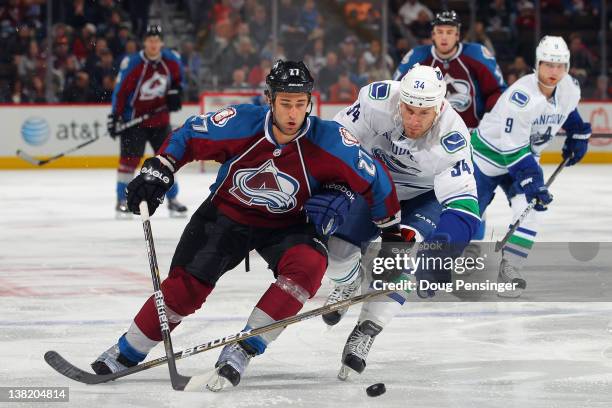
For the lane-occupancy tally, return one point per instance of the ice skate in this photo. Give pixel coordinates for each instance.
(229, 367)
(122, 212)
(111, 361)
(510, 274)
(357, 347)
(339, 293)
(177, 210)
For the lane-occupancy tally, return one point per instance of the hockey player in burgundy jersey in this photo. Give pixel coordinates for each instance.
(149, 82)
(279, 166)
(474, 80)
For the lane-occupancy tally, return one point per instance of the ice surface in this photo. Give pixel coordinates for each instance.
(72, 277)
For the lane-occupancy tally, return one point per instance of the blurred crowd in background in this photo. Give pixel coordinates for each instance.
(228, 44)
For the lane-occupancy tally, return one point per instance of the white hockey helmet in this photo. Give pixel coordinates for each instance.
(423, 87)
(552, 49)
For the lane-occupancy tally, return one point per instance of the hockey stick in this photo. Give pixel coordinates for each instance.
(127, 125)
(62, 366)
(178, 381)
(500, 244)
(37, 162)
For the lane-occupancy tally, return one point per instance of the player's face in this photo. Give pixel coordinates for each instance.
(152, 46)
(445, 38)
(550, 73)
(417, 121)
(289, 113)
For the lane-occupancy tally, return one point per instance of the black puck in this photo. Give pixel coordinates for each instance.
(375, 390)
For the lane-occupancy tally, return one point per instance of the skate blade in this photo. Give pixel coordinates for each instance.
(216, 383)
(123, 216)
(198, 382)
(344, 373)
(510, 294)
(175, 214)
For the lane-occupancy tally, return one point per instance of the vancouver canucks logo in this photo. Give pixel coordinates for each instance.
(266, 186)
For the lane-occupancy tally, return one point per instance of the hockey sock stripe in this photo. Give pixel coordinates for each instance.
(259, 318)
(173, 192)
(257, 343)
(527, 231)
(350, 277)
(522, 242)
(130, 352)
(138, 340)
(515, 252)
(121, 193)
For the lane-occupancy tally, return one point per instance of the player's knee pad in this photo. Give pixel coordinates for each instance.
(343, 261)
(304, 266)
(183, 293)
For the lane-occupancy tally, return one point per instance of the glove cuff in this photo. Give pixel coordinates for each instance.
(166, 162)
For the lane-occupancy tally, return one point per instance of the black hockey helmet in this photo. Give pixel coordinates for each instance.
(154, 30)
(289, 76)
(446, 17)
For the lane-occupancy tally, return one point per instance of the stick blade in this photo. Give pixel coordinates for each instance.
(62, 366)
(30, 159)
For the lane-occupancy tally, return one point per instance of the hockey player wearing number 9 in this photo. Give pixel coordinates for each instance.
(413, 129)
(509, 141)
(279, 165)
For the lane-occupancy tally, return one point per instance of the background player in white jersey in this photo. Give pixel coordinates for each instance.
(509, 140)
(413, 129)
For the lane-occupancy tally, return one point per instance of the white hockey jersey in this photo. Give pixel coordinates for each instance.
(522, 122)
(440, 160)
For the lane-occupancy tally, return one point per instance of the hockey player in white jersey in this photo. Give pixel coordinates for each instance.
(508, 143)
(424, 143)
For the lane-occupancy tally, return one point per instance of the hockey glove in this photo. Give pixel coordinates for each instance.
(532, 183)
(114, 125)
(435, 265)
(174, 99)
(529, 179)
(395, 241)
(155, 179)
(575, 148)
(328, 209)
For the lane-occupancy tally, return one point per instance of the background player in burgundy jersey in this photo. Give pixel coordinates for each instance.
(474, 80)
(150, 82)
(278, 165)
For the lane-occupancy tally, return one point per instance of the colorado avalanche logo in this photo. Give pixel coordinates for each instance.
(154, 87)
(221, 118)
(266, 186)
(458, 93)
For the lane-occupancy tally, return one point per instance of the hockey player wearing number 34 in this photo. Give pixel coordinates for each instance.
(276, 162)
(413, 129)
(509, 141)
